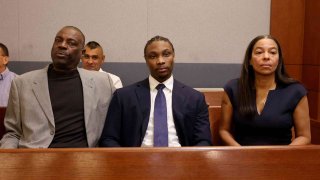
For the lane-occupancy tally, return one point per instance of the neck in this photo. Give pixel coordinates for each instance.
(2, 69)
(63, 70)
(265, 82)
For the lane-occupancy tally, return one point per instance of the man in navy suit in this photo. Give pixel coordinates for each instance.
(131, 121)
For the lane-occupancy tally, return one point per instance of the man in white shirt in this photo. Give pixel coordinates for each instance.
(92, 59)
(158, 111)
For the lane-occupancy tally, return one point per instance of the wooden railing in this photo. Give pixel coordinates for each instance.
(269, 162)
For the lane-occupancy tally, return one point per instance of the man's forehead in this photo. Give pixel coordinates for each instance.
(70, 32)
(95, 50)
(158, 49)
(159, 45)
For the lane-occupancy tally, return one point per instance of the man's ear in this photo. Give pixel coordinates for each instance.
(6, 60)
(103, 58)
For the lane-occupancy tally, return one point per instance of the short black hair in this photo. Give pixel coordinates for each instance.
(93, 45)
(157, 38)
(4, 49)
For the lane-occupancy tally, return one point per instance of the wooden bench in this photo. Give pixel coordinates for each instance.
(213, 98)
(269, 162)
(213, 95)
(215, 118)
(2, 114)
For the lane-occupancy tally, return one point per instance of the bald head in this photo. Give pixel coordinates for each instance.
(66, 49)
(76, 29)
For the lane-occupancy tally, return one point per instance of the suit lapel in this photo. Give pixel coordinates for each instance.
(41, 91)
(143, 94)
(178, 109)
(88, 86)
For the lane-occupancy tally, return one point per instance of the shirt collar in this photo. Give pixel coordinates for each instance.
(153, 83)
(4, 73)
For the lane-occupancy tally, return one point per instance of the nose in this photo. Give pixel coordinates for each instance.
(266, 55)
(63, 44)
(90, 60)
(161, 60)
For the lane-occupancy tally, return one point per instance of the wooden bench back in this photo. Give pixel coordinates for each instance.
(276, 162)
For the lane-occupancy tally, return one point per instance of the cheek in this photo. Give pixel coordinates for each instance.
(150, 64)
(253, 61)
(99, 63)
(170, 61)
(76, 52)
(275, 61)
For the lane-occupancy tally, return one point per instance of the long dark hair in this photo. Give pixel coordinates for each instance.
(246, 86)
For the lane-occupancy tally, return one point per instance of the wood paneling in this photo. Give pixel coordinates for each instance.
(311, 77)
(296, 25)
(314, 105)
(287, 25)
(311, 61)
(315, 131)
(295, 71)
(311, 51)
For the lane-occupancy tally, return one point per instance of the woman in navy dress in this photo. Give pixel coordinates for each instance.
(262, 106)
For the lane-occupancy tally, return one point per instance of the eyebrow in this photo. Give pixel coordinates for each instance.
(259, 47)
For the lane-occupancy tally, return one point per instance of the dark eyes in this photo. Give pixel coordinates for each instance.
(261, 52)
(86, 56)
(164, 54)
(71, 43)
(57, 40)
(167, 54)
(152, 56)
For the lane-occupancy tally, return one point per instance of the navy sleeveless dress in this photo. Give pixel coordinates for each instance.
(273, 125)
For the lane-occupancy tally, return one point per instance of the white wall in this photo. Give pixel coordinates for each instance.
(202, 31)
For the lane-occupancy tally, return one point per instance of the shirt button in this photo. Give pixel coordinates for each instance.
(51, 133)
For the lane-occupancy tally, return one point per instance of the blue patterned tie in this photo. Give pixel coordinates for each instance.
(160, 119)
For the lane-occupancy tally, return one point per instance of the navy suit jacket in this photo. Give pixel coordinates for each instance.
(128, 116)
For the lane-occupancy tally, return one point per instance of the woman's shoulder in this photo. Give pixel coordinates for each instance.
(294, 87)
(232, 84)
(296, 90)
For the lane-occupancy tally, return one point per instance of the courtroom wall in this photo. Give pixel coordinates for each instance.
(210, 36)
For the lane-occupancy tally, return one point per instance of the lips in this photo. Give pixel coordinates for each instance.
(61, 54)
(266, 65)
(162, 70)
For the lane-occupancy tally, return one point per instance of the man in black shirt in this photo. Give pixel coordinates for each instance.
(60, 105)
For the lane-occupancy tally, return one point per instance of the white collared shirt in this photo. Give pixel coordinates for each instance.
(115, 79)
(173, 139)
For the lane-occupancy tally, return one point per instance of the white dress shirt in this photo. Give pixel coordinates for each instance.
(115, 79)
(173, 140)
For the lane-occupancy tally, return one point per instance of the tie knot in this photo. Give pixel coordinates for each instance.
(160, 86)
